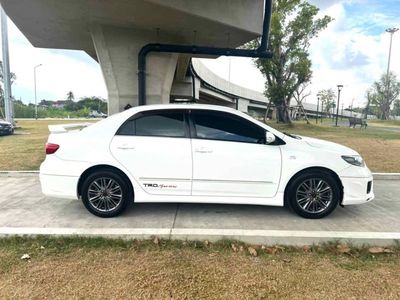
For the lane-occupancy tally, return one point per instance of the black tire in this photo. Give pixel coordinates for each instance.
(106, 206)
(317, 203)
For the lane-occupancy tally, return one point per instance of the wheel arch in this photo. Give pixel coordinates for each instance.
(335, 176)
(103, 167)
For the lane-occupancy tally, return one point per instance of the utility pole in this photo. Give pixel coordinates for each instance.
(6, 68)
(316, 120)
(391, 31)
(34, 82)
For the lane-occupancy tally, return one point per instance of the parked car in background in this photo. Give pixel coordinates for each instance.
(6, 128)
(192, 153)
(97, 114)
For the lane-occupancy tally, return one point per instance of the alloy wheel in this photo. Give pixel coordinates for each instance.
(314, 195)
(105, 194)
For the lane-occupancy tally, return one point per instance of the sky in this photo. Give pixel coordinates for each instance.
(352, 51)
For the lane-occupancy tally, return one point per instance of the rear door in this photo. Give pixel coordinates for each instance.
(230, 157)
(155, 147)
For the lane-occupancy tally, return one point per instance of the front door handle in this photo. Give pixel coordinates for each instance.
(203, 150)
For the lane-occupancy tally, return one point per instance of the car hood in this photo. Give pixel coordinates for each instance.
(328, 146)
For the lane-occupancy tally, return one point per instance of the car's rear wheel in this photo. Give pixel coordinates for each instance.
(314, 194)
(105, 194)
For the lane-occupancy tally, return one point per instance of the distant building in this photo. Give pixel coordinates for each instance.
(58, 103)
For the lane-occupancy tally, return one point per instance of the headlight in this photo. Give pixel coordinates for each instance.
(355, 160)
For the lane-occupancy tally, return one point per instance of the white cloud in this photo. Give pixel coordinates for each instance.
(348, 52)
(62, 71)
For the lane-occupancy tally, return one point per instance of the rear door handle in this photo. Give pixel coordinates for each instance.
(203, 150)
(126, 147)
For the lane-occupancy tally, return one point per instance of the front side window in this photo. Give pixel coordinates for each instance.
(162, 124)
(223, 126)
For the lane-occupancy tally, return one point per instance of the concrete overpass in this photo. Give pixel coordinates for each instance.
(114, 32)
(212, 89)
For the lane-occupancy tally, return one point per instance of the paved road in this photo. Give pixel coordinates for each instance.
(24, 210)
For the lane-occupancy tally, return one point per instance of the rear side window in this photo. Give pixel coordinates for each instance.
(161, 123)
(223, 126)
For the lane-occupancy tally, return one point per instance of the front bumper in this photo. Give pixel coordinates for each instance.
(357, 190)
(357, 185)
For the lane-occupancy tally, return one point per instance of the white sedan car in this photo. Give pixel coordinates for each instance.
(199, 154)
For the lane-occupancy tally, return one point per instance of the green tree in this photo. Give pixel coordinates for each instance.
(396, 107)
(384, 93)
(327, 98)
(293, 26)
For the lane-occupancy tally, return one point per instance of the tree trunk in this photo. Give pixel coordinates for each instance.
(283, 113)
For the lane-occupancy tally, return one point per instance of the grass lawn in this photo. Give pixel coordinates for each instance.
(98, 268)
(379, 146)
(385, 123)
(25, 149)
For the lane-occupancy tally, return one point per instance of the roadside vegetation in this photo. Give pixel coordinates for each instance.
(67, 108)
(159, 269)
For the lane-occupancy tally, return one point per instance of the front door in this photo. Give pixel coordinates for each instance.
(155, 148)
(230, 157)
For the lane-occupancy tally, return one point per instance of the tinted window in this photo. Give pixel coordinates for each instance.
(128, 128)
(224, 126)
(169, 124)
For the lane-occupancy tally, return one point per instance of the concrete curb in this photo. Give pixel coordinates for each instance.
(19, 173)
(266, 237)
(377, 176)
(386, 176)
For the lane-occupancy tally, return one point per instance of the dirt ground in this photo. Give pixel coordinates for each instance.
(156, 272)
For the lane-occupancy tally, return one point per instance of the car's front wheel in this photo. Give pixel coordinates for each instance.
(105, 194)
(314, 194)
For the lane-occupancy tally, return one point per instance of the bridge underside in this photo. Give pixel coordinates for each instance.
(113, 32)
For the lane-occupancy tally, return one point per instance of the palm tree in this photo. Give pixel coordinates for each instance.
(70, 96)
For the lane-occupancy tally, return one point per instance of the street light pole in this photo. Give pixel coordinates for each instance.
(34, 82)
(316, 120)
(391, 31)
(339, 86)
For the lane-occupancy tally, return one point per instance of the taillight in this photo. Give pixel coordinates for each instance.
(51, 148)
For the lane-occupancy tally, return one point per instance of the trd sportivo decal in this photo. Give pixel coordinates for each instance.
(160, 186)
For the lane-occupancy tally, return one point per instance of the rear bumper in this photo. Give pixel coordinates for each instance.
(59, 186)
(357, 190)
(59, 178)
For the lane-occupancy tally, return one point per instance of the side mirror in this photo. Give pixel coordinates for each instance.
(269, 138)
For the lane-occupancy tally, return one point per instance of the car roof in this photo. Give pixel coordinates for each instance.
(186, 105)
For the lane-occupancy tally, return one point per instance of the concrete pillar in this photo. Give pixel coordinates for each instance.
(117, 52)
(243, 105)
